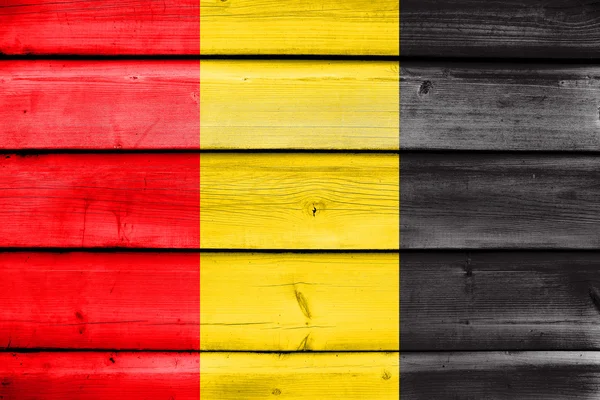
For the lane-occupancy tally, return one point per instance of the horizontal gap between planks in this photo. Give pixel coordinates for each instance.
(306, 57)
(76, 350)
(64, 250)
(61, 250)
(35, 152)
(270, 57)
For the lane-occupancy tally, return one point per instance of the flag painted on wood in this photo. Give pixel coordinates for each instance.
(128, 264)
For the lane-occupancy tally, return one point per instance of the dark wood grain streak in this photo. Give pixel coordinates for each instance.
(493, 375)
(466, 200)
(500, 301)
(513, 28)
(494, 106)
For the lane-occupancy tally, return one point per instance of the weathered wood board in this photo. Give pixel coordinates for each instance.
(278, 201)
(501, 29)
(498, 106)
(500, 301)
(184, 104)
(462, 28)
(500, 375)
(299, 302)
(207, 301)
(185, 27)
(300, 201)
(320, 105)
(509, 201)
(99, 375)
(95, 375)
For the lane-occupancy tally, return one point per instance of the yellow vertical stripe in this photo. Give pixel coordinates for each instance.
(300, 302)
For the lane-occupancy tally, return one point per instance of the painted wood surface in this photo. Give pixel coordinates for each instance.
(500, 301)
(299, 201)
(106, 300)
(559, 29)
(95, 375)
(496, 106)
(151, 301)
(293, 201)
(470, 200)
(297, 105)
(100, 200)
(500, 375)
(503, 29)
(149, 104)
(299, 302)
(177, 27)
(300, 375)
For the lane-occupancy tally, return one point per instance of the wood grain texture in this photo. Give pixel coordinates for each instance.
(500, 301)
(533, 107)
(243, 104)
(299, 201)
(134, 301)
(99, 105)
(355, 27)
(299, 105)
(464, 200)
(514, 28)
(151, 301)
(299, 302)
(232, 376)
(176, 27)
(100, 200)
(295, 201)
(100, 27)
(508, 375)
(94, 375)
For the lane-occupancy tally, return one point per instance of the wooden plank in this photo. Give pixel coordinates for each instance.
(151, 301)
(282, 201)
(519, 29)
(175, 27)
(289, 302)
(448, 106)
(467, 200)
(356, 27)
(230, 376)
(299, 201)
(148, 301)
(297, 105)
(154, 105)
(94, 375)
(500, 301)
(507, 375)
(99, 104)
(100, 200)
